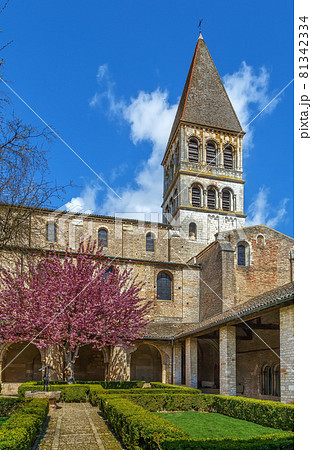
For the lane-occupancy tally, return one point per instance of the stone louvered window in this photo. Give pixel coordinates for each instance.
(228, 158)
(193, 150)
(211, 153)
(102, 237)
(226, 200)
(149, 242)
(164, 286)
(51, 232)
(211, 199)
(196, 196)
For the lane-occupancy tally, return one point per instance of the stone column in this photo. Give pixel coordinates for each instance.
(219, 200)
(204, 198)
(227, 343)
(191, 362)
(119, 367)
(287, 353)
(177, 364)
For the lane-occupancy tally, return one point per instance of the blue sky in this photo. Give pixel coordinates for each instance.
(108, 75)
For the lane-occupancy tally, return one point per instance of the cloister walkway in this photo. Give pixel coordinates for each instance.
(76, 426)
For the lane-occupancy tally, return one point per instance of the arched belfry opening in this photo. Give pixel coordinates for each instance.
(91, 365)
(21, 362)
(146, 364)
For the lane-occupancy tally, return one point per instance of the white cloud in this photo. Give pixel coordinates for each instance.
(248, 92)
(150, 117)
(261, 212)
(85, 203)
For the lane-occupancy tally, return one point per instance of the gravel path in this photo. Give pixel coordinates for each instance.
(78, 426)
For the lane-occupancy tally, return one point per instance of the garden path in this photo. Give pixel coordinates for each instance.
(76, 426)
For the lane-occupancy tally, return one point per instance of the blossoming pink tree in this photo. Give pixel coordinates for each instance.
(71, 300)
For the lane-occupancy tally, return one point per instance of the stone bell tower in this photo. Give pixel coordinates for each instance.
(203, 184)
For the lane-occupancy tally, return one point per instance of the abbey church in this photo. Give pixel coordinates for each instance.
(222, 293)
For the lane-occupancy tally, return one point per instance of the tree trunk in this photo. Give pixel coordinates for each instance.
(70, 365)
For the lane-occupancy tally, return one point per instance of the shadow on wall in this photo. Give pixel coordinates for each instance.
(146, 364)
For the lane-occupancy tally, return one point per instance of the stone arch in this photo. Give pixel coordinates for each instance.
(20, 363)
(260, 240)
(146, 363)
(92, 364)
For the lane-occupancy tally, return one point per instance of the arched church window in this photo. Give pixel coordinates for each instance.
(149, 242)
(211, 153)
(102, 237)
(226, 200)
(241, 255)
(266, 380)
(192, 231)
(51, 232)
(228, 158)
(211, 198)
(193, 150)
(196, 196)
(164, 286)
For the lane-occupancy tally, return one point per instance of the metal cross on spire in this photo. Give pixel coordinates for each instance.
(199, 25)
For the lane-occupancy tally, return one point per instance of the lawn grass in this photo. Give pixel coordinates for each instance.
(2, 420)
(212, 425)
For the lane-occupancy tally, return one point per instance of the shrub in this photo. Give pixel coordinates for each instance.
(158, 385)
(137, 427)
(9, 406)
(94, 393)
(22, 428)
(177, 401)
(69, 392)
(266, 442)
(149, 391)
(262, 412)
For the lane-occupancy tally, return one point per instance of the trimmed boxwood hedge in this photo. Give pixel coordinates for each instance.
(262, 412)
(137, 427)
(21, 429)
(266, 442)
(9, 406)
(69, 392)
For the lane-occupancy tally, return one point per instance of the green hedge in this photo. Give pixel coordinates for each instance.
(158, 385)
(94, 393)
(262, 412)
(138, 428)
(69, 392)
(265, 413)
(21, 429)
(266, 442)
(9, 406)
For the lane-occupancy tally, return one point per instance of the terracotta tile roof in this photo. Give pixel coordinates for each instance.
(204, 99)
(275, 296)
(165, 330)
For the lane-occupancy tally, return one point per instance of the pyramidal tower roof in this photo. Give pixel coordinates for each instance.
(204, 99)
